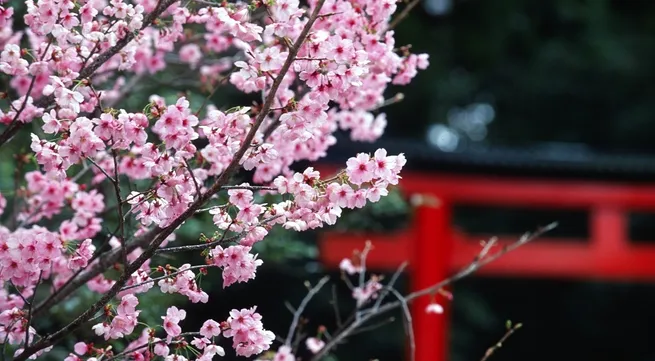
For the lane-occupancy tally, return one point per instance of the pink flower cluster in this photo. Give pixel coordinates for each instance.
(239, 265)
(317, 202)
(27, 255)
(183, 281)
(248, 218)
(123, 322)
(171, 320)
(368, 291)
(97, 163)
(12, 326)
(247, 332)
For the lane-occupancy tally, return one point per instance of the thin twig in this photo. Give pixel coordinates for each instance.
(125, 90)
(213, 91)
(29, 310)
(165, 276)
(252, 188)
(193, 177)
(409, 325)
(16, 201)
(490, 351)
(14, 121)
(373, 326)
(20, 294)
(200, 247)
(290, 308)
(111, 179)
(296, 316)
(391, 283)
(119, 208)
(479, 263)
(335, 306)
(275, 123)
(403, 14)
(362, 263)
(85, 168)
(395, 99)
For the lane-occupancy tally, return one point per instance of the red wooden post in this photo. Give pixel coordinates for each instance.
(432, 251)
(609, 236)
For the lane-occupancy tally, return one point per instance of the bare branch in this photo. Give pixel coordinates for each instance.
(193, 177)
(403, 14)
(391, 283)
(499, 344)
(362, 263)
(478, 262)
(111, 179)
(335, 306)
(409, 325)
(119, 208)
(296, 315)
(252, 188)
(373, 326)
(29, 310)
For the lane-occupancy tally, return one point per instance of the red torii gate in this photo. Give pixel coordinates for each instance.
(434, 248)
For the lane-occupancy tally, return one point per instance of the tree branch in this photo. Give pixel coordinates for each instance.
(301, 308)
(165, 276)
(403, 14)
(510, 330)
(367, 314)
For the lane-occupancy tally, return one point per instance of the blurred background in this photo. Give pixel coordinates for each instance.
(556, 90)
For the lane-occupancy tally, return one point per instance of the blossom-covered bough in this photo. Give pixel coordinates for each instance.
(68, 65)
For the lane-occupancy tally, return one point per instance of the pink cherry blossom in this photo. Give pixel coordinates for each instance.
(360, 169)
(97, 158)
(284, 354)
(210, 329)
(171, 320)
(314, 344)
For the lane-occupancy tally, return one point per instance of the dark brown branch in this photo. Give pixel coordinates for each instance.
(29, 310)
(193, 178)
(119, 208)
(403, 14)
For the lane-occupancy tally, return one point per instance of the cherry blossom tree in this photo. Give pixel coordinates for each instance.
(69, 65)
